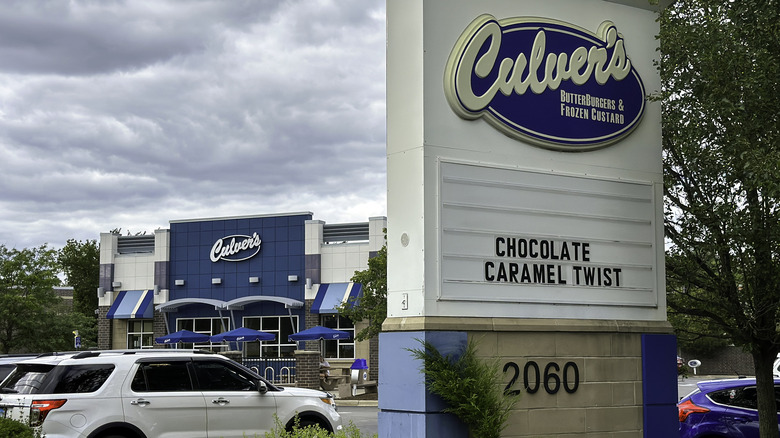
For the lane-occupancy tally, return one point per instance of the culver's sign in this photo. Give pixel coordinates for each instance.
(547, 82)
(235, 248)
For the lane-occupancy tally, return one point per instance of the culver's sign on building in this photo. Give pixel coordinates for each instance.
(235, 248)
(546, 82)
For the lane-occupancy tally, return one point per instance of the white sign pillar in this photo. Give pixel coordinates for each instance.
(524, 197)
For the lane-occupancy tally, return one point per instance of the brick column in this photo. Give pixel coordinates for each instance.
(104, 329)
(311, 320)
(307, 369)
(373, 358)
(158, 326)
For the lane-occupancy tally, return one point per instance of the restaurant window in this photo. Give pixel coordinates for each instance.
(140, 333)
(281, 327)
(340, 348)
(206, 326)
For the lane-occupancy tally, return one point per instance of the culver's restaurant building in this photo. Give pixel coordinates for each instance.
(279, 273)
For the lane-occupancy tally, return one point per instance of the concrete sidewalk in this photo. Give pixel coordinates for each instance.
(349, 402)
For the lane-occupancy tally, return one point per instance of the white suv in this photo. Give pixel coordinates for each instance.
(155, 394)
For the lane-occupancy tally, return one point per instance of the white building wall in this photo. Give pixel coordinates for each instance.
(108, 244)
(134, 271)
(341, 260)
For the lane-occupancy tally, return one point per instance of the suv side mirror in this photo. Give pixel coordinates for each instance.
(261, 387)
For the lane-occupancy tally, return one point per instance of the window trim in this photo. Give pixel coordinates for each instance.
(278, 343)
(340, 342)
(128, 333)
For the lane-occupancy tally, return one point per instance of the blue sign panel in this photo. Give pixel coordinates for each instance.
(230, 258)
(547, 82)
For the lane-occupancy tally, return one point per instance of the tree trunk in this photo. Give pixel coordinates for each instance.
(763, 360)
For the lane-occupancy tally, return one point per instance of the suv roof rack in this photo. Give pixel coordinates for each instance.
(84, 354)
(94, 353)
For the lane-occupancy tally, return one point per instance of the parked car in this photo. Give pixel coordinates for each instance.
(155, 394)
(722, 408)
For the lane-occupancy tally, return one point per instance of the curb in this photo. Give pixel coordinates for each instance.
(369, 403)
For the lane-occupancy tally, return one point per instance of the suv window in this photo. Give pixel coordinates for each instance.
(219, 376)
(72, 379)
(162, 376)
(26, 379)
(48, 379)
(5, 370)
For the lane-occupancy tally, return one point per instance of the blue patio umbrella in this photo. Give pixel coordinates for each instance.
(243, 334)
(319, 333)
(182, 336)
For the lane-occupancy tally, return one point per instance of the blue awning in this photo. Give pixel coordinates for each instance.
(132, 304)
(330, 296)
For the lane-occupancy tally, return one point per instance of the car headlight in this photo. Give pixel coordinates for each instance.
(329, 400)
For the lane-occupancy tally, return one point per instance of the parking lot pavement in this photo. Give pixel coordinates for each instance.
(685, 386)
(364, 417)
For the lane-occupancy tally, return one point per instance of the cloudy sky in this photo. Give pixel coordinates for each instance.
(129, 114)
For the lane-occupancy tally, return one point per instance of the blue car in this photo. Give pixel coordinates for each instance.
(722, 409)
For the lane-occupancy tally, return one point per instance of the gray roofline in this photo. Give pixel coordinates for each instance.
(254, 216)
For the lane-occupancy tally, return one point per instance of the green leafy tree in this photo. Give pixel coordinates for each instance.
(372, 306)
(697, 337)
(28, 303)
(33, 318)
(81, 263)
(720, 74)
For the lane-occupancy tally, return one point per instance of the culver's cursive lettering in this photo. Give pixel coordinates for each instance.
(522, 73)
(226, 247)
(545, 82)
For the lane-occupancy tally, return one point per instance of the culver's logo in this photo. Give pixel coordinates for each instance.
(235, 248)
(546, 82)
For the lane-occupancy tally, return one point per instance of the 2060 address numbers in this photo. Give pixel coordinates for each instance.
(552, 379)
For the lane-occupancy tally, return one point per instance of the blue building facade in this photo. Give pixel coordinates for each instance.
(278, 273)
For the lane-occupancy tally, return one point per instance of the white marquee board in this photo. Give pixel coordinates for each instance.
(519, 236)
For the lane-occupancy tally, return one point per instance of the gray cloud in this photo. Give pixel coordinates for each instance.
(131, 114)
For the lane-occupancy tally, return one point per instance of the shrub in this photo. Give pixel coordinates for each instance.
(349, 431)
(14, 429)
(471, 387)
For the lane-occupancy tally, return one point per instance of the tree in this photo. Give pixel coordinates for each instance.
(81, 263)
(372, 306)
(28, 303)
(720, 71)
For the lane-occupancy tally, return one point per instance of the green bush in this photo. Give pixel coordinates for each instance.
(471, 387)
(350, 431)
(14, 429)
